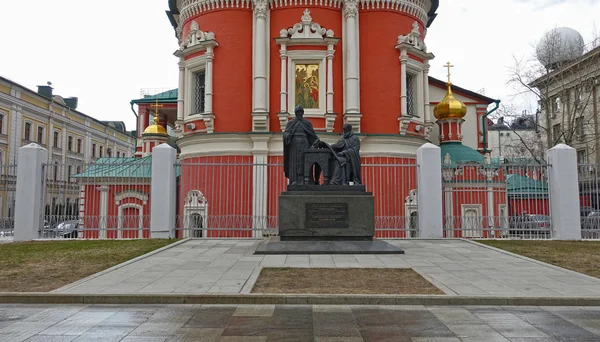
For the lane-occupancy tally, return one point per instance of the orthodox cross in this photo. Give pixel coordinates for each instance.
(448, 65)
(156, 107)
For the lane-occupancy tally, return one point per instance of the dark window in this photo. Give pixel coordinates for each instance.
(27, 131)
(94, 150)
(79, 142)
(557, 133)
(55, 143)
(40, 135)
(55, 171)
(200, 79)
(1, 123)
(579, 126)
(581, 157)
(70, 144)
(69, 171)
(118, 154)
(410, 96)
(101, 148)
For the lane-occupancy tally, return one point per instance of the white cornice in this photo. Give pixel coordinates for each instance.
(417, 8)
(191, 8)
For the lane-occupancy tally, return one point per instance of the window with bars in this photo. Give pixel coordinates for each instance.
(199, 92)
(410, 96)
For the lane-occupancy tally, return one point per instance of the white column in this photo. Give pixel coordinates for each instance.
(330, 53)
(103, 226)
(29, 192)
(208, 87)
(283, 93)
(403, 104)
(427, 115)
(429, 187)
(163, 192)
(181, 90)
(352, 68)
(259, 185)
(564, 192)
(260, 56)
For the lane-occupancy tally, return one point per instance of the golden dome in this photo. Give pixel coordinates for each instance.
(450, 108)
(155, 129)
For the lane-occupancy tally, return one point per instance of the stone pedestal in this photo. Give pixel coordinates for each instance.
(326, 219)
(312, 212)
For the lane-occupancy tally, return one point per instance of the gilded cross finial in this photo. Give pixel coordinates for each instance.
(156, 107)
(448, 65)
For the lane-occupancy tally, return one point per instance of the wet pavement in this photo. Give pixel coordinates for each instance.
(229, 266)
(297, 323)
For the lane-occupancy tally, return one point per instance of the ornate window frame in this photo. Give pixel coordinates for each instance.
(307, 33)
(195, 42)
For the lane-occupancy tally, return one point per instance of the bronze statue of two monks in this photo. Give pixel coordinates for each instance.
(300, 140)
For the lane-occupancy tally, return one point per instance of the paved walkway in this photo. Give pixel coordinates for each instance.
(228, 266)
(297, 323)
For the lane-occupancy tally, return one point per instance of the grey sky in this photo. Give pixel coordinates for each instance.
(106, 51)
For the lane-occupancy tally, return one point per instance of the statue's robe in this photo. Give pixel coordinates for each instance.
(349, 147)
(299, 135)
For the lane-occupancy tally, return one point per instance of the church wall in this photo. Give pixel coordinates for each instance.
(284, 18)
(380, 69)
(232, 67)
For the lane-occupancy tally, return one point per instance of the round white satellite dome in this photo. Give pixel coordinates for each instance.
(561, 44)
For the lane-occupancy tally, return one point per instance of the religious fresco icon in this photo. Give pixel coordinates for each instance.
(307, 86)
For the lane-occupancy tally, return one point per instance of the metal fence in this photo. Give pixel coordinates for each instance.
(589, 200)
(106, 199)
(496, 201)
(234, 197)
(8, 184)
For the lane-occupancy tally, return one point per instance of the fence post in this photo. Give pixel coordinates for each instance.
(429, 191)
(163, 192)
(28, 201)
(563, 186)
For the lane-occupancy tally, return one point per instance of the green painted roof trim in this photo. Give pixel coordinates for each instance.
(120, 168)
(460, 154)
(518, 183)
(169, 96)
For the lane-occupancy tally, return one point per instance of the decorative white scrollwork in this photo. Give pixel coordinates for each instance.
(306, 29)
(413, 38)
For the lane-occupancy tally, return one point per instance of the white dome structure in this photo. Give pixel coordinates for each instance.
(558, 45)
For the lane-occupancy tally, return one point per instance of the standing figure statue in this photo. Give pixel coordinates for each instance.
(299, 135)
(347, 164)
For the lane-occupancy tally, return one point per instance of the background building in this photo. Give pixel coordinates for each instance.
(72, 139)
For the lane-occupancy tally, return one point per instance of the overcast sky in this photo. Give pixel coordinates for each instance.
(105, 52)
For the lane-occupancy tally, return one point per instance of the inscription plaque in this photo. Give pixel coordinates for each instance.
(326, 215)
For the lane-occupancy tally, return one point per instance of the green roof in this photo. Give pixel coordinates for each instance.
(516, 183)
(518, 161)
(120, 168)
(169, 96)
(460, 153)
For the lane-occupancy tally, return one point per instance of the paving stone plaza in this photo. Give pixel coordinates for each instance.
(297, 323)
(457, 267)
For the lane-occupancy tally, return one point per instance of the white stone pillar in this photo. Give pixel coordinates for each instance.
(208, 86)
(563, 186)
(352, 112)
(163, 192)
(429, 187)
(29, 192)
(181, 90)
(427, 115)
(283, 93)
(260, 84)
(403, 85)
(259, 185)
(103, 226)
(330, 53)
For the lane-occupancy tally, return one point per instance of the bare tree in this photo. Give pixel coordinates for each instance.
(563, 77)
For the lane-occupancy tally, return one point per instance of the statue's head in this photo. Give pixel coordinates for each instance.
(299, 111)
(347, 130)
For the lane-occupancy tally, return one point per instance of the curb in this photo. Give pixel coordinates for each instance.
(566, 270)
(293, 299)
(116, 267)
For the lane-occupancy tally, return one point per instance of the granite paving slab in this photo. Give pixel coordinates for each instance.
(457, 267)
(330, 323)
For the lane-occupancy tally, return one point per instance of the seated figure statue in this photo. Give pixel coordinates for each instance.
(347, 162)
